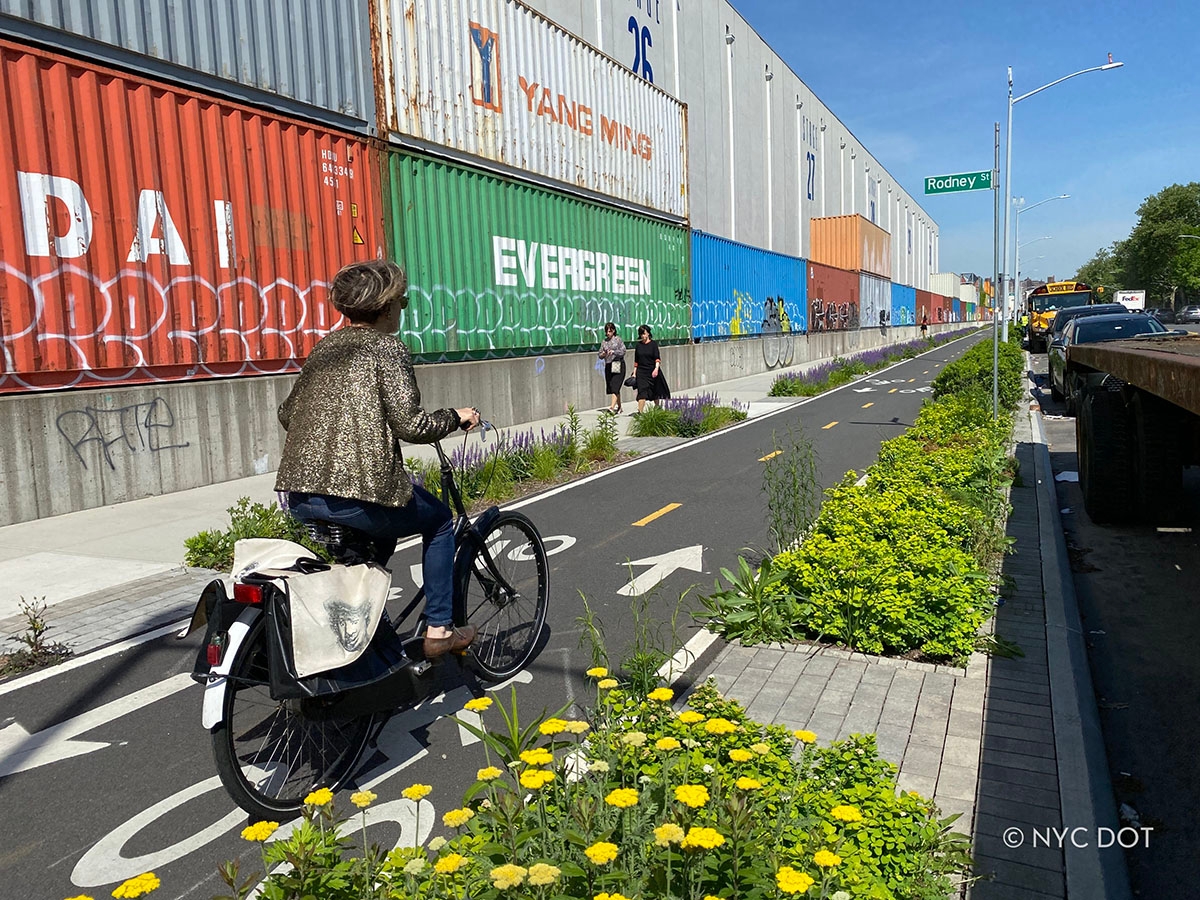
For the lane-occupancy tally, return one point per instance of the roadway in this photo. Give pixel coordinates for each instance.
(115, 775)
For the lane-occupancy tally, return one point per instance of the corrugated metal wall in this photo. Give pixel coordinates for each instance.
(312, 52)
(833, 301)
(739, 290)
(498, 267)
(851, 243)
(495, 80)
(956, 309)
(154, 233)
(874, 297)
(904, 305)
(927, 304)
(945, 283)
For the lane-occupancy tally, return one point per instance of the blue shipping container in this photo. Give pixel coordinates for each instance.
(956, 305)
(738, 289)
(904, 305)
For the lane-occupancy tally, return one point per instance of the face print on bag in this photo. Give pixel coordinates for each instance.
(349, 623)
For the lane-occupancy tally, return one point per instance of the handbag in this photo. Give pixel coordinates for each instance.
(631, 381)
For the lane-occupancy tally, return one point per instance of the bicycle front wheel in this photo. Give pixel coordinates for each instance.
(505, 592)
(271, 754)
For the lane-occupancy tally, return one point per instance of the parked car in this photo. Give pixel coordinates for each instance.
(1091, 330)
(1189, 314)
(1063, 316)
(1163, 314)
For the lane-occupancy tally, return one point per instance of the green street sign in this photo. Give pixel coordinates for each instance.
(952, 184)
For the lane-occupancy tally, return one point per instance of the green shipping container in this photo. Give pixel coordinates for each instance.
(501, 268)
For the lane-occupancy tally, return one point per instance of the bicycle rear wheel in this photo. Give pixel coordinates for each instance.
(504, 594)
(271, 754)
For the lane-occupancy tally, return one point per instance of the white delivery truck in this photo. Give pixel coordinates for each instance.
(1131, 299)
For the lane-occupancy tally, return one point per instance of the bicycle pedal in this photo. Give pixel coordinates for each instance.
(421, 666)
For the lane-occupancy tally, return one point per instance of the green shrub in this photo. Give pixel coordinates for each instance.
(213, 549)
(972, 373)
(654, 421)
(600, 443)
(652, 804)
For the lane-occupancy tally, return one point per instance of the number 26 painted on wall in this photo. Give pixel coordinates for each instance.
(642, 42)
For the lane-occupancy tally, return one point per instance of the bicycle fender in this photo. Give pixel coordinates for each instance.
(214, 687)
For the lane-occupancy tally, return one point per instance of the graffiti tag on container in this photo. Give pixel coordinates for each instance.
(139, 426)
(832, 316)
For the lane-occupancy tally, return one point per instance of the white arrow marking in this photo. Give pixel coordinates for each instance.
(864, 390)
(21, 751)
(662, 566)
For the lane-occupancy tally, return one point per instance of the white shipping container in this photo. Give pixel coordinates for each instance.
(945, 283)
(968, 293)
(496, 80)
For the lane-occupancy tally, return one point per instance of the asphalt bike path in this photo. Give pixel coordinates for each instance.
(106, 771)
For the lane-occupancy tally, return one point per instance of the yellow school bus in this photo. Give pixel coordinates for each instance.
(1048, 299)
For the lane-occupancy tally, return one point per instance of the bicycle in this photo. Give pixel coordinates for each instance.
(277, 737)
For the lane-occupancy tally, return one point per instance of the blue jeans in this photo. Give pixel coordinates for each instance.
(424, 514)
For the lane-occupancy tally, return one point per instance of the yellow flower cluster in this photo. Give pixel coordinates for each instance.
(363, 799)
(719, 726)
(542, 874)
(622, 798)
(690, 717)
(536, 779)
(740, 755)
(479, 704)
(846, 814)
(449, 864)
(693, 795)
(608, 896)
(507, 876)
(416, 792)
(661, 695)
(826, 859)
(634, 739)
(136, 886)
(667, 743)
(703, 839)
(760, 748)
(601, 852)
(792, 882)
(259, 831)
(597, 672)
(805, 737)
(553, 726)
(489, 773)
(667, 834)
(748, 784)
(457, 818)
(599, 766)
(607, 684)
(539, 756)
(319, 797)
(576, 726)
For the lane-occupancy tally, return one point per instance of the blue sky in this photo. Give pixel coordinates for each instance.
(922, 83)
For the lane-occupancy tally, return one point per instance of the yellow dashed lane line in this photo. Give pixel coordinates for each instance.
(867, 405)
(827, 427)
(769, 456)
(654, 515)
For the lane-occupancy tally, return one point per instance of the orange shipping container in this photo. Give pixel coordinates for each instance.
(851, 243)
(156, 234)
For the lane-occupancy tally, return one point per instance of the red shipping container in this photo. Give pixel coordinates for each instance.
(833, 300)
(157, 234)
(928, 304)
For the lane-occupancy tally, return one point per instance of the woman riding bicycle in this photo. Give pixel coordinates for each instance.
(355, 400)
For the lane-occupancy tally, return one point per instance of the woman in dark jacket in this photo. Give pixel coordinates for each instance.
(647, 368)
(612, 351)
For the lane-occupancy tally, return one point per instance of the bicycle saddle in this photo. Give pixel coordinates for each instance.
(346, 545)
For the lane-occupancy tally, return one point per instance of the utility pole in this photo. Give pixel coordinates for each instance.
(996, 275)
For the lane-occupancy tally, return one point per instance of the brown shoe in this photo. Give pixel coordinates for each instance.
(457, 641)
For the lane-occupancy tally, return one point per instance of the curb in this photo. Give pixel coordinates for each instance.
(1084, 782)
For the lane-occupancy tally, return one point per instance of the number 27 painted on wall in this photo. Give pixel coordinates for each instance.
(642, 42)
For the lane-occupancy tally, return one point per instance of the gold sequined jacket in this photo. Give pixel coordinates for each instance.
(355, 400)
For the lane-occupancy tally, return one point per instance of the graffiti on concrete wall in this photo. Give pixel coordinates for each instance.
(832, 316)
(778, 342)
(137, 427)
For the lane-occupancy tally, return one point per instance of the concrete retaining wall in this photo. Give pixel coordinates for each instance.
(73, 450)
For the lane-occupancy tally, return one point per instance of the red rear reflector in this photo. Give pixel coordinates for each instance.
(214, 654)
(251, 594)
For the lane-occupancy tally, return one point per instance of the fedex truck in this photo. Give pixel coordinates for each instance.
(1131, 299)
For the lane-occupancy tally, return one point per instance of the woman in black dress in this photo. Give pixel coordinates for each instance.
(612, 351)
(646, 366)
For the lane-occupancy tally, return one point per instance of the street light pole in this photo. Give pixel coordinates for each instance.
(1008, 148)
(1017, 258)
(1019, 202)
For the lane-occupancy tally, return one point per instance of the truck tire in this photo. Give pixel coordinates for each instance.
(1104, 440)
(1158, 463)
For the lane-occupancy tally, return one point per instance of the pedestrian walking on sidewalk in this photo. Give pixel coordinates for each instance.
(355, 400)
(612, 352)
(647, 370)
(924, 324)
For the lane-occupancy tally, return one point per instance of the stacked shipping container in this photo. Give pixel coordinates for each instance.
(739, 290)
